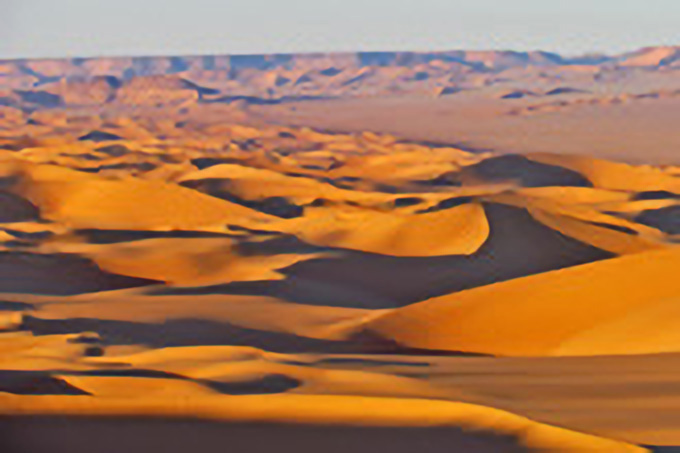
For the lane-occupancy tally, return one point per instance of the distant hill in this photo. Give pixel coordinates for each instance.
(226, 78)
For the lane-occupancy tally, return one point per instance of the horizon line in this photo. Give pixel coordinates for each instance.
(565, 55)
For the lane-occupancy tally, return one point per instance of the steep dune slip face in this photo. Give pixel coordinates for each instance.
(57, 274)
(16, 209)
(546, 314)
(183, 268)
(517, 245)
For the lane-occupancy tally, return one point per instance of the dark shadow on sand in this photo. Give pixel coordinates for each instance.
(58, 274)
(35, 383)
(194, 332)
(145, 435)
(517, 246)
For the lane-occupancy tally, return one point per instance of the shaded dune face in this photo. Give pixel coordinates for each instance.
(206, 162)
(277, 206)
(97, 236)
(99, 136)
(656, 195)
(35, 383)
(665, 219)
(40, 98)
(42, 383)
(16, 209)
(196, 332)
(58, 274)
(526, 172)
(517, 246)
(140, 435)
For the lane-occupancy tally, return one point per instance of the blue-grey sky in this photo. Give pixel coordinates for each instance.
(54, 28)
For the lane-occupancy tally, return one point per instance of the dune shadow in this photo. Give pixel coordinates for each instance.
(99, 136)
(195, 332)
(43, 383)
(619, 228)
(14, 208)
(58, 274)
(40, 434)
(114, 150)
(6, 305)
(256, 100)
(529, 173)
(40, 98)
(518, 246)
(96, 236)
(447, 204)
(206, 162)
(140, 166)
(664, 219)
(565, 90)
(35, 383)
(365, 362)
(203, 332)
(277, 206)
(656, 195)
(267, 384)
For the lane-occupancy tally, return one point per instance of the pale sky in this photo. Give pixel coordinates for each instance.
(58, 28)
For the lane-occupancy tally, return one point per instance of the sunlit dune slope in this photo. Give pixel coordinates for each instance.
(225, 316)
(84, 201)
(330, 410)
(456, 231)
(614, 175)
(185, 261)
(544, 314)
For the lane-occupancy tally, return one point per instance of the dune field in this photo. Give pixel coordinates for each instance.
(384, 252)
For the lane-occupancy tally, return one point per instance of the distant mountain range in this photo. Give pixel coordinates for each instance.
(281, 77)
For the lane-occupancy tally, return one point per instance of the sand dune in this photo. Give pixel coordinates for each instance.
(90, 202)
(658, 56)
(459, 231)
(541, 313)
(185, 261)
(614, 175)
(476, 419)
(58, 274)
(16, 209)
(387, 251)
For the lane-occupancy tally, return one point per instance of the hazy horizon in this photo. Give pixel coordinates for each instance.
(82, 28)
